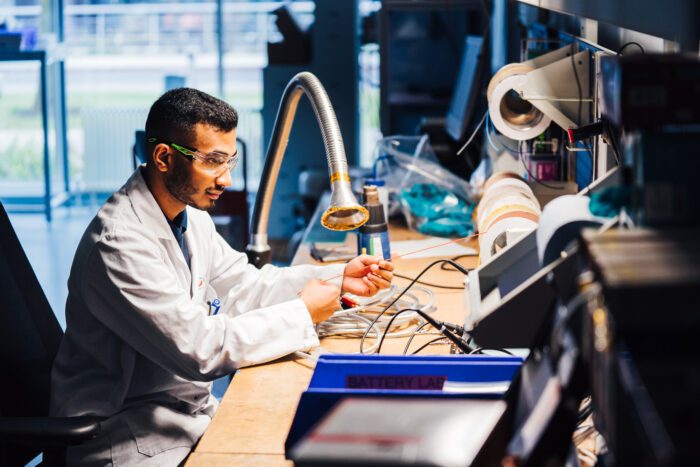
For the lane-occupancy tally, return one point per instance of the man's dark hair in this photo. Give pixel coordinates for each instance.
(174, 115)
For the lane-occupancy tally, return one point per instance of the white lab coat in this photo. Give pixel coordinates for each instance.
(141, 341)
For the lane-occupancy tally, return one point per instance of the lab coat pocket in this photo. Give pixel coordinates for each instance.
(158, 428)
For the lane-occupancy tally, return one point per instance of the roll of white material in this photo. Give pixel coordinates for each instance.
(507, 210)
(497, 237)
(561, 221)
(517, 124)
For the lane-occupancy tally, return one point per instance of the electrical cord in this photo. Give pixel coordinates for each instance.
(461, 345)
(626, 44)
(442, 338)
(446, 266)
(410, 339)
(439, 261)
(531, 175)
(351, 322)
(480, 350)
(519, 154)
(455, 328)
(585, 411)
(476, 130)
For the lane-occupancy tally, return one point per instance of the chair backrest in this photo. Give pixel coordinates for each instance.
(140, 149)
(29, 331)
(29, 340)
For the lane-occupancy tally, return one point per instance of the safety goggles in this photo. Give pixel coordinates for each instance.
(214, 162)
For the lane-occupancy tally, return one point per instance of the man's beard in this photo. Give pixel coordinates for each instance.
(179, 184)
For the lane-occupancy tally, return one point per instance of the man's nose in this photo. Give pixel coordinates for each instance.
(224, 179)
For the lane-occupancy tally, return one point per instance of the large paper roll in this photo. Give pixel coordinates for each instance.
(513, 117)
(560, 224)
(507, 209)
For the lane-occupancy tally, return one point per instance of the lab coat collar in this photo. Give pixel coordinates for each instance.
(145, 205)
(149, 213)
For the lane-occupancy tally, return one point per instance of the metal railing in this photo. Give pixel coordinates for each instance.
(163, 27)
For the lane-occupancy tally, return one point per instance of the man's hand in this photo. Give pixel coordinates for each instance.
(321, 299)
(365, 275)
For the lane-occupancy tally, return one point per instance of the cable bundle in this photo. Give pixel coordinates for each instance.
(376, 312)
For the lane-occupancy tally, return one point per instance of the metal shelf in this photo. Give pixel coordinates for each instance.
(677, 20)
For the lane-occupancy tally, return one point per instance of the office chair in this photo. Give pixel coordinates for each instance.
(29, 339)
(139, 151)
(447, 134)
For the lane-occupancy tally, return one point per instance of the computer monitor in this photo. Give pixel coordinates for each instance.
(467, 89)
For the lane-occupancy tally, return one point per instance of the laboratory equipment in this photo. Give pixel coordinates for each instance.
(344, 212)
(373, 236)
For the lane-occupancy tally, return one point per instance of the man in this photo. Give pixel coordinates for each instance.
(145, 336)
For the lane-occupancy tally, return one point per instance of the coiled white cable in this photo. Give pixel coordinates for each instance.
(353, 322)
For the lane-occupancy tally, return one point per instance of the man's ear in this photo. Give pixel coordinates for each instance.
(161, 158)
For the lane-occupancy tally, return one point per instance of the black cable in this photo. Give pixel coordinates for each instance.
(381, 313)
(456, 328)
(584, 412)
(426, 345)
(457, 341)
(429, 284)
(452, 327)
(480, 350)
(445, 266)
(626, 44)
(610, 132)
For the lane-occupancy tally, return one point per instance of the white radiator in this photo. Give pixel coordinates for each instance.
(109, 136)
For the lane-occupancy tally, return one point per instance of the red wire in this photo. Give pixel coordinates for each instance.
(393, 257)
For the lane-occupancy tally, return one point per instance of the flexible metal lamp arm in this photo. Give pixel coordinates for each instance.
(345, 212)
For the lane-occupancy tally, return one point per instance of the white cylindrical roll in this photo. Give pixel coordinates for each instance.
(562, 220)
(507, 210)
(518, 122)
(495, 239)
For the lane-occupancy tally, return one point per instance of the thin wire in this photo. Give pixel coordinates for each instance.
(393, 257)
(437, 286)
(532, 176)
(410, 339)
(488, 133)
(457, 341)
(427, 344)
(476, 130)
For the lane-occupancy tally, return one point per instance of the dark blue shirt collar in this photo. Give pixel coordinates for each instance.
(179, 223)
(179, 226)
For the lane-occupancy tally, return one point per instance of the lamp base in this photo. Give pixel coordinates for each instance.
(258, 258)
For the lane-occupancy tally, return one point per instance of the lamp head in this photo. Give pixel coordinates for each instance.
(344, 212)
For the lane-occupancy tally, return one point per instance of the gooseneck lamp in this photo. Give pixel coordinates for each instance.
(344, 212)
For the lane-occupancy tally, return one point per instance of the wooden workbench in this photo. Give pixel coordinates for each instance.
(252, 422)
